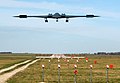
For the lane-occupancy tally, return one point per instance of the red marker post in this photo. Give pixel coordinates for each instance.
(75, 74)
(111, 66)
(86, 59)
(91, 66)
(58, 73)
(95, 62)
(43, 72)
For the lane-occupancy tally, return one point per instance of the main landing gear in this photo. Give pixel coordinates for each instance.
(46, 20)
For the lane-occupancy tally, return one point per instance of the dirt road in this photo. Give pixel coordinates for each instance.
(12, 67)
(6, 76)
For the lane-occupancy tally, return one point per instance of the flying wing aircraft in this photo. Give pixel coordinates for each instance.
(57, 16)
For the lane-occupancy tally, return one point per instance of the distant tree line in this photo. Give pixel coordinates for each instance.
(107, 53)
(75, 55)
(43, 54)
(5, 52)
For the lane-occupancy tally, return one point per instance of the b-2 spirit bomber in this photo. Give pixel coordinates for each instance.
(56, 16)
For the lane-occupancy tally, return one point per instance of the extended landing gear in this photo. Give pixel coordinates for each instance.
(46, 20)
(57, 20)
(67, 20)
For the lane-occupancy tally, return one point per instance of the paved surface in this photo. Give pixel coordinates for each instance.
(59, 56)
(6, 76)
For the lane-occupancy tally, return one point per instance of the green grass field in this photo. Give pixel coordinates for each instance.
(33, 74)
(7, 60)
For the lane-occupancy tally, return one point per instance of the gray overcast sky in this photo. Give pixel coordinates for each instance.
(79, 35)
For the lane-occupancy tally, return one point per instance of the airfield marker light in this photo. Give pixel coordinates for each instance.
(58, 60)
(111, 66)
(43, 66)
(49, 64)
(91, 66)
(68, 63)
(58, 73)
(107, 68)
(43, 72)
(95, 62)
(49, 61)
(77, 61)
(75, 66)
(58, 66)
(86, 59)
(75, 76)
(75, 71)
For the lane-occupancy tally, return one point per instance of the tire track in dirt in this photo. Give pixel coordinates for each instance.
(12, 67)
(6, 76)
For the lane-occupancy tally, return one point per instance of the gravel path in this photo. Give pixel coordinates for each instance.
(6, 76)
